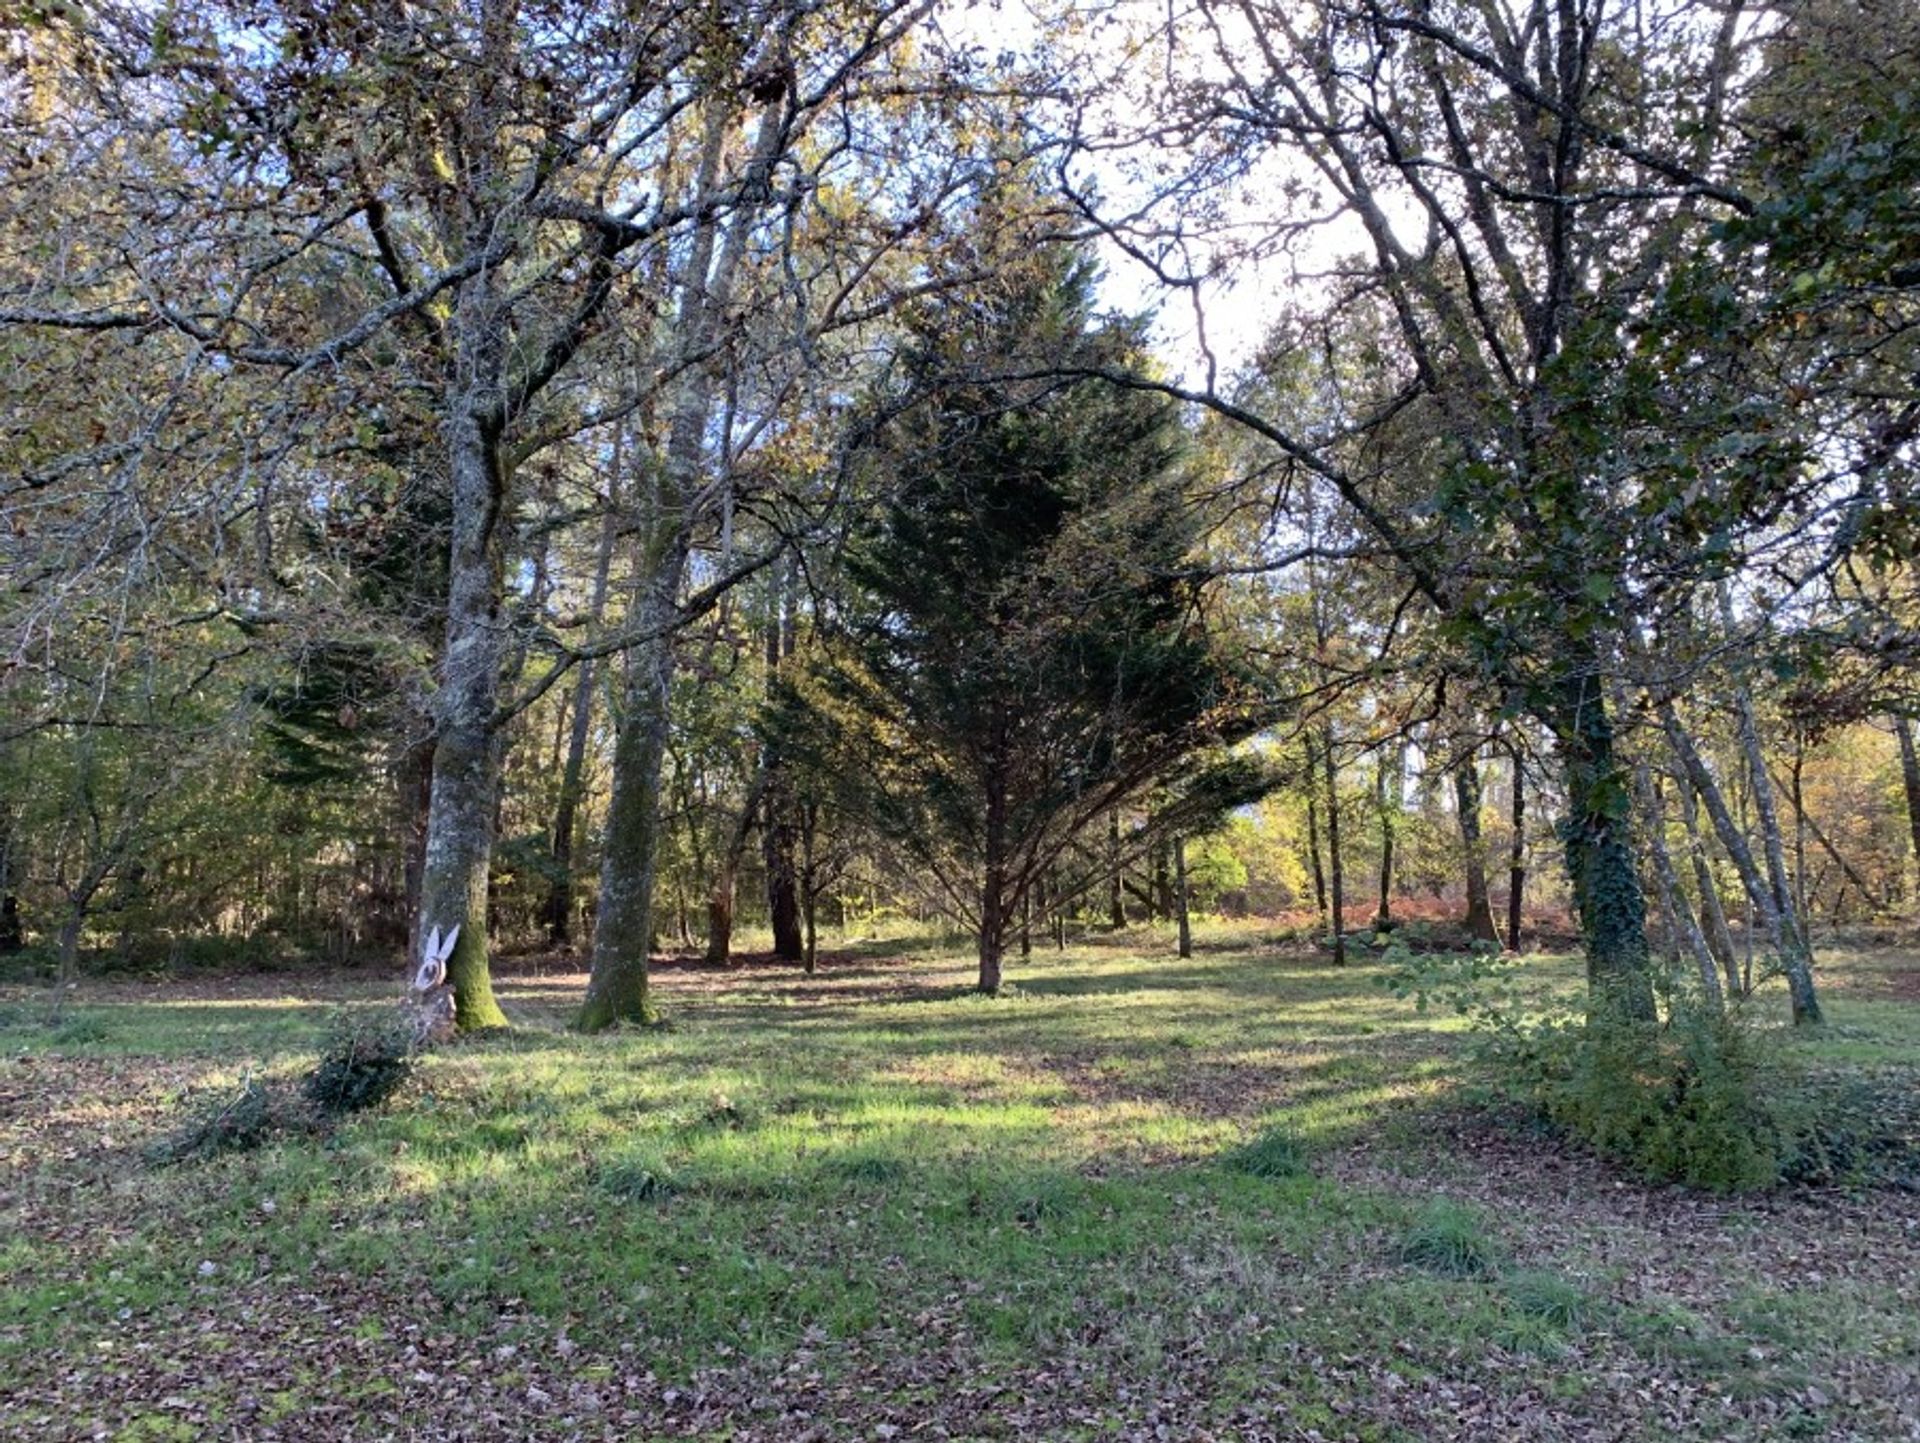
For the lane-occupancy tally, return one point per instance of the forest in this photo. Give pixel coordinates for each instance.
(830, 718)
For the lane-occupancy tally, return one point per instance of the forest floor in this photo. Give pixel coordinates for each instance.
(868, 1205)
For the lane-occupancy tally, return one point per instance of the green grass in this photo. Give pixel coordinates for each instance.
(1108, 1170)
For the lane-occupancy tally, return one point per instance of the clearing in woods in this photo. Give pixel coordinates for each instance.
(1236, 1196)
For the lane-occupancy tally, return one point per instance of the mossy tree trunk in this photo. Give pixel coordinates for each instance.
(461, 807)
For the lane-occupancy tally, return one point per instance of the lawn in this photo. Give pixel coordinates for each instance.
(1241, 1196)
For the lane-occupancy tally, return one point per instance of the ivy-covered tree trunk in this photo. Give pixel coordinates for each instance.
(1598, 834)
(460, 813)
(1466, 795)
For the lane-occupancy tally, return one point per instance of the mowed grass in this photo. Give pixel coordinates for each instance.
(1221, 1196)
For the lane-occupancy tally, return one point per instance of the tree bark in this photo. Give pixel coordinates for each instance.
(617, 988)
(1466, 795)
(460, 811)
(1713, 915)
(1680, 917)
(778, 835)
(1180, 898)
(1336, 879)
(623, 927)
(1910, 778)
(558, 908)
(1517, 854)
(1116, 894)
(1313, 842)
(1388, 807)
(1162, 890)
(1796, 957)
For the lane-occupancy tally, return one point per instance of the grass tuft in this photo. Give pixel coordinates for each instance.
(1551, 1299)
(1276, 1153)
(1449, 1239)
(639, 1177)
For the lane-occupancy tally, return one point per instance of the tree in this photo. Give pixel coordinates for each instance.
(1513, 187)
(1022, 648)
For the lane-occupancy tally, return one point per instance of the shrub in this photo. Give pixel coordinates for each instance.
(1451, 1239)
(235, 1122)
(367, 1058)
(1275, 1153)
(1705, 1099)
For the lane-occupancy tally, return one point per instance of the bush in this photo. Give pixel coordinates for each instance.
(1451, 1239)
(367, 1059)
(1704, 1100)
(237, 1122)
(1700, 1102)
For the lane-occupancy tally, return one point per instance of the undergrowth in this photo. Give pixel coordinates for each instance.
(1706, 1098)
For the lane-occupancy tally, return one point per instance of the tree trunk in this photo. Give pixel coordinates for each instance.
(993, 890)
(1466, 794)
(1116, 894)
(1180, 898)
(1598, 833)
(1796, 957)
(12, 933)
(617, 988)
(1336, 879)
(70, 929)
(778, 837)
(1517, 855)
(1713, 915)
(720, 903)
(1388, 807)
(558, 908)
(459, 850)
(1313, 843)
(1673, 899)
(1910, 777)
(629, 865)
(1162, 893)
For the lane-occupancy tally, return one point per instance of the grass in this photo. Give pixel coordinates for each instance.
(875, 1199)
